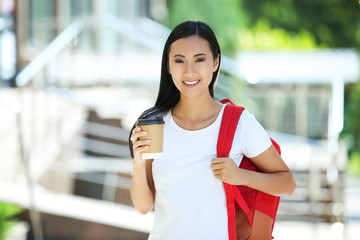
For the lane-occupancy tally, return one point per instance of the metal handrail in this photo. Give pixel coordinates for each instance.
(116, 24)
(72, 31)
(54, 48)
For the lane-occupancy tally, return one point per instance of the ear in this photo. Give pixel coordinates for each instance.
(216, 63)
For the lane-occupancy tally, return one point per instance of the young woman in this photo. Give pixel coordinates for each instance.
(185, 184)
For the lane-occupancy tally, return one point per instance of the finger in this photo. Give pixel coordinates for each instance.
(218, 176)
(141, 149)
(136, 130)
(141, 143)
(137, 135)
(217, 172)
(216, 166)
(218, 160)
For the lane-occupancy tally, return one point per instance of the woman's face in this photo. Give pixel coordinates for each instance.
(191, 65)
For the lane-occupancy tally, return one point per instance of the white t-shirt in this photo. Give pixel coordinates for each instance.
(190, 202)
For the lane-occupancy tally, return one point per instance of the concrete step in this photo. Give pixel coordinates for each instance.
(75, 207)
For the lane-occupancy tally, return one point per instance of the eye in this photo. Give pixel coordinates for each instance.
(179, 61)
(200, 59)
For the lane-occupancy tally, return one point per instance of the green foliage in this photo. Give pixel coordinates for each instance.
(7, 213)
(354, 164)
(351, 131)
(274, 24)
(262, 36)
(333, 23)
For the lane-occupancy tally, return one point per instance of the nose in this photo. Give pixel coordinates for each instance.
(190, 69)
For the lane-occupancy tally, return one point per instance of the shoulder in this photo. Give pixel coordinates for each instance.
(246, 117)
(247, 120)
(249, 123)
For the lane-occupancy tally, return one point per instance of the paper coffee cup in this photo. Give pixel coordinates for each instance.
(155, 132)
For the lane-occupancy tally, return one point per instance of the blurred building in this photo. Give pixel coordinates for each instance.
(39, 21)
(7, 42)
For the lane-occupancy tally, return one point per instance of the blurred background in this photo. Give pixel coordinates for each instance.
(75, 75)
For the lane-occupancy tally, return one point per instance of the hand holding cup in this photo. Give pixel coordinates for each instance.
(153, 130)
(139, 145)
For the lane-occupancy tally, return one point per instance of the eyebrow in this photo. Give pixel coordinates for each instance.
(196, 55)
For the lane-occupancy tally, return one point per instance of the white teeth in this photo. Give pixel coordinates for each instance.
(192, 83)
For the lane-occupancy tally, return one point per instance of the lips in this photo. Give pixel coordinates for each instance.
(191, 83)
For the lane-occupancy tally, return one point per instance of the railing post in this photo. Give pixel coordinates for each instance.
(35, 217)
(336, 122)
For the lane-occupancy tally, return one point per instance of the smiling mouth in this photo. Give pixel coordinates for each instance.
(191, 83)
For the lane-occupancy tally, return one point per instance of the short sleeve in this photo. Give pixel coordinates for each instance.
(254, 140)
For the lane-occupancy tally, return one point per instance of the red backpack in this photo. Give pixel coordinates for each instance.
(242, 201)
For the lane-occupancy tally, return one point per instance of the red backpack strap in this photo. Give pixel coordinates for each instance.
(228, 127)
(227, 101)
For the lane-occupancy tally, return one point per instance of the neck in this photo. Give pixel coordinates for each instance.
(195, 109)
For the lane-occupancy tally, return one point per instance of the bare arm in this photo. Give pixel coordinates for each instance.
(276, 178)
(142, 186)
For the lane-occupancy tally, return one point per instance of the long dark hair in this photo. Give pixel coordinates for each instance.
(169, 95)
